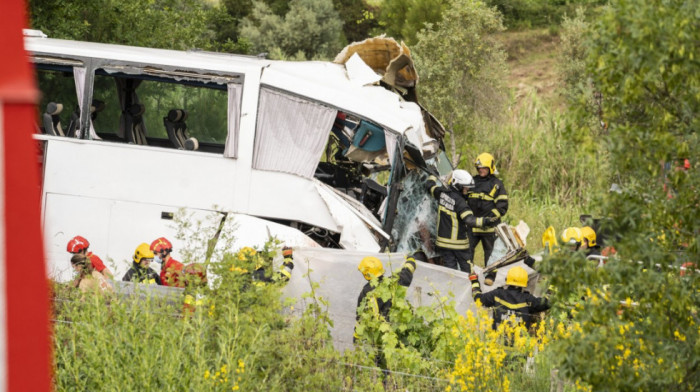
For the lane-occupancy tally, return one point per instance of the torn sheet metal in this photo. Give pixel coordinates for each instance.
(359, 72)
(386, 57)
(418, 136)
(352, 225)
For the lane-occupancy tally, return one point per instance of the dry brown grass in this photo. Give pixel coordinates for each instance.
(532, 58)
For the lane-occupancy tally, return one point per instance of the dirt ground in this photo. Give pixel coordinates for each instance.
(532, 58)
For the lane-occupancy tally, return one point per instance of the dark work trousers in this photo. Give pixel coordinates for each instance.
(487, 239)
(456, 259)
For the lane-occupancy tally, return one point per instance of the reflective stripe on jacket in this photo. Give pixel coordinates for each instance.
(510, 300)
(488, 198)
(138, 274)
(378, 306)
(453, 217)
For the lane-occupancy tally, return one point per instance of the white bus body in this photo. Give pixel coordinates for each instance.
(259, 162)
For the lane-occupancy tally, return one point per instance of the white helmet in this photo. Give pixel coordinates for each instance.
(461, 179)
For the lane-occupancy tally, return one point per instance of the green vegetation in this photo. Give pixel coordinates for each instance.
(310, 29)
(638, 59)
(238, 338)
(462, 67)
(241, 336)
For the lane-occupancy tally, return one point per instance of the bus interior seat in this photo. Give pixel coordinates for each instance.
(177, 130)
(96, 107)
(74, 122)
(51, 120)
(176, 127)
(135, 131)
(191, 144)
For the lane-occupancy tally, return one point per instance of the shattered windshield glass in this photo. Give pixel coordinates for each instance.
(414, 227)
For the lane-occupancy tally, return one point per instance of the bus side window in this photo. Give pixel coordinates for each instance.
(57, 87)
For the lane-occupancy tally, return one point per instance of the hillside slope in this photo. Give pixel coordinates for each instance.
(532, 58)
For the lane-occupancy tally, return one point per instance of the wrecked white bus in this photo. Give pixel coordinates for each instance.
(316, 153)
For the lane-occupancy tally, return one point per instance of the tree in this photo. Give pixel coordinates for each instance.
(311, 29)
(173, 24)
(462, 66)
(358, 18)
(403, 19)
(639, 320)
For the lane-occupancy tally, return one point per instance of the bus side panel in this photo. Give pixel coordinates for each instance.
(114, 229)
(142, 174)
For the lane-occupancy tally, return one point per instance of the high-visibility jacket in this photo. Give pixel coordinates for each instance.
(510, 300)
(454, 215)
(488, 198)
(283, 275)
(138, 274)
(378, 306)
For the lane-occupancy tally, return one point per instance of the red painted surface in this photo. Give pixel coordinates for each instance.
(28, 333)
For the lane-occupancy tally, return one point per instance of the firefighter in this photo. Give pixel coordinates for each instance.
(171, 269)
(588, 241)
(371, 302)
(488, 200)
(88, 279)
(452, 242)
(79, 246)
(140, 272)
(260, 274)
(511, 299)
(373, 271)
(572, 237)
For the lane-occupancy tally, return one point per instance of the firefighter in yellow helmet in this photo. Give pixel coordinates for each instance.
(373, 271)
(511, 299)
(488, 200)
(372, 308)
(571, 237)
(140, 272)
(588, 241)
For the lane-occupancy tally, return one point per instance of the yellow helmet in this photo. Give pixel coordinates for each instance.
(517, 276)
(371, 267)
(588, 233)
(571, 236)
(143, 251)
(485, 160)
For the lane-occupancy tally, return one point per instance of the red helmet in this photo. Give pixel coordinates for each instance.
(161, 244)
(77, 244)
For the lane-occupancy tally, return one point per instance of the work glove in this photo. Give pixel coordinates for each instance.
(419, 255)
(490, 277)
(491, 221)
(529, 261)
